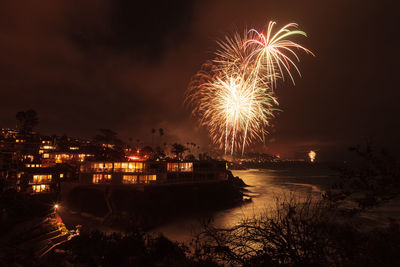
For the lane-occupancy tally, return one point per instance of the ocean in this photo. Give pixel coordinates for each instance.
(265, 187)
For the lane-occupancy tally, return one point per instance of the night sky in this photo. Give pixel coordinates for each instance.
(125, 65)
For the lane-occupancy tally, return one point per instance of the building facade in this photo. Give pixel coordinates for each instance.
(151, 172)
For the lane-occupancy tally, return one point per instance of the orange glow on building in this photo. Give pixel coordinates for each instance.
(133, 158)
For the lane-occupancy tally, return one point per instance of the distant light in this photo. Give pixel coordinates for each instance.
(134, 158)
(312, 155)
(56, 206)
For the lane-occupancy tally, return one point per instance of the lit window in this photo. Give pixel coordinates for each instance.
(186, 167)
(108, 165)
(46, 178)
(147, 178)
(41, 188)
(97, 178)
(172, 167)
(100, 178)
(61, 175)
(129, 179)
(139, 167)
(46, 155)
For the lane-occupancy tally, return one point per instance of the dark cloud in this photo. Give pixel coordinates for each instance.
(126, 64)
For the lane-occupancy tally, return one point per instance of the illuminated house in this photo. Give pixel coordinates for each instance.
(132, 172)
(72, 157)
(32, 163)
(46, 146)
(40, 178)
(151, 172)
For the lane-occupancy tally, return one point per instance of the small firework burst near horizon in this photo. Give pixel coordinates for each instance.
(233, 95)
(312, 154)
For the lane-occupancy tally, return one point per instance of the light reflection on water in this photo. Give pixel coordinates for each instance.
(265, 186)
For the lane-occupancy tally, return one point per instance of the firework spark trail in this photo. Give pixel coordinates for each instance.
(268, 55)
(233, 95)
(222, 104)
(270, 58)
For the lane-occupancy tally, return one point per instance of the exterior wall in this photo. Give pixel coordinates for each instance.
(114, 172)
(140, 172)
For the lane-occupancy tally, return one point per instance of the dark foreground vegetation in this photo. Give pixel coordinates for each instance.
(298, 232)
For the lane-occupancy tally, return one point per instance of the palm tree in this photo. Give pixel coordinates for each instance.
(130, 142)
(161, 132)
(153, 131)
(178, 150)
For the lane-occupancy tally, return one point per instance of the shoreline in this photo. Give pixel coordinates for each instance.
(148, 208)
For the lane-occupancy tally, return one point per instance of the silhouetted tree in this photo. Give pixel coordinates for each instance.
(158, 154)
(130, 139)
(374, 179)
(190, 157)
(178, 150)
(153, 131)
(298, 233)
(109, 137)
(147, 151)
(115, 152)
(161, 132)
(27, 120)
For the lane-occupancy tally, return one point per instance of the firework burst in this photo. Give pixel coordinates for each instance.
(272, 55)
(232, 95)
(221, 101)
